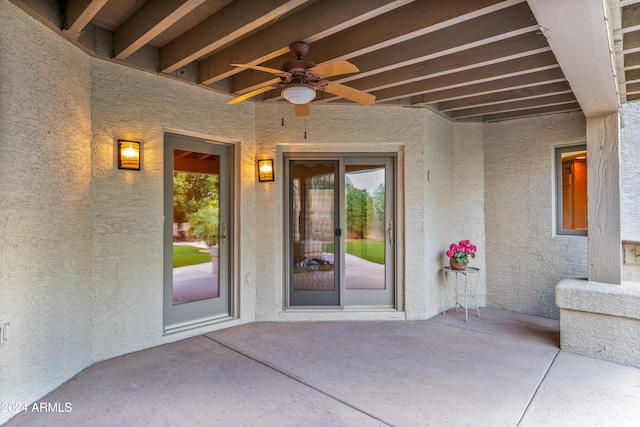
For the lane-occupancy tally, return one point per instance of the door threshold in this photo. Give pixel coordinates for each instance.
(307, 309)
(301, 315)
(368, 308)
(188, 326)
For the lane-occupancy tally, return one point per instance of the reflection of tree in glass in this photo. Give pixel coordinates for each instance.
(378, 201)
(204, 223)
(195, 200)
(359, 211)
(322, 182)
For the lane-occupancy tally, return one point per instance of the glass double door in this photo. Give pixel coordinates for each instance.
(341, 232)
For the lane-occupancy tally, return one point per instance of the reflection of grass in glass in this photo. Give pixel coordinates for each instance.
(188, 255)
(371, 250)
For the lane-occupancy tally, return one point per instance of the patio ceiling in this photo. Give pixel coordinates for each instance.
(626, 23)
(468, 60)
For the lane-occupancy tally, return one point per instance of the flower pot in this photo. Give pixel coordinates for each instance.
(457, 265)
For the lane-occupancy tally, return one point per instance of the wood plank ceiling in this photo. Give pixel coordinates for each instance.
(468, 60)
(626, 23)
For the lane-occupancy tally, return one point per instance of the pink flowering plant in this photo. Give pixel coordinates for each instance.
(462, 251)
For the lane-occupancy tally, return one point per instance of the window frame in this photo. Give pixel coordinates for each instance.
(558, 151)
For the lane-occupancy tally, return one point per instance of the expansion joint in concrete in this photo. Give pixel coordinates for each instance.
(535, 391)
(298, 380)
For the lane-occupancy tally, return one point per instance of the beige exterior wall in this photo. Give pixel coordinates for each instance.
(127, 206)
(525, 259)
(45, 217)
(629, 188)
(468, 207)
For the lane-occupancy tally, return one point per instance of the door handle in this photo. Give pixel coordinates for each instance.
(390, 231)
(223, 237)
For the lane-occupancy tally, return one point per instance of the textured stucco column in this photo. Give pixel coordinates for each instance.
(603, 163)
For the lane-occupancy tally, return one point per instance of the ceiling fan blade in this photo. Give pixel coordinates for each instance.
(261, 68)
(250, 94)
(334, 68)
(352, 94)
(302, 109)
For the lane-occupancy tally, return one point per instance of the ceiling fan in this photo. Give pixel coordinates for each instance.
(300, 80)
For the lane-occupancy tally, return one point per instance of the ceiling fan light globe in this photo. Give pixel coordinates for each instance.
(299, 94)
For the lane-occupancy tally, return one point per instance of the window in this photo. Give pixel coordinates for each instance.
(571, 178)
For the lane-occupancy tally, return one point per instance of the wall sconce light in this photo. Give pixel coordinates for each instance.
(265, 170)
(128, 155)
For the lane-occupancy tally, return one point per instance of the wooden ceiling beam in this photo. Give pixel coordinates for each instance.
(491, 60)
(632, 75)
(632, 60)
(416, 19)
(484, 72)
(505, 96)
(493, 53)
(633, 87)
(78, 14)
(154, 17)
(527, 104)
(411, 42)
(318, 20)
(528, 79)
(480, 75)
(630, 16)
(565, 108)
(631, 41)
(222, 29)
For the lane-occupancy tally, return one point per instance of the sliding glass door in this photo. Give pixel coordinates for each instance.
(340, 221)
(314, 233)
(369, 241)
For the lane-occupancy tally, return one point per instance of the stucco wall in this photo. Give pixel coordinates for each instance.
(424, 144)
(453, 206)
(468, 217)
(127, 206)
(45, 223)
(629, 179)
(525, 260)
(630, 172)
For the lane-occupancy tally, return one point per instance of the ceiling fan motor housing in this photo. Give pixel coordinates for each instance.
(298, 67)
(300, 79)
(299, 49)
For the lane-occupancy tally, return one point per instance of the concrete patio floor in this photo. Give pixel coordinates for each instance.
(502, 369)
